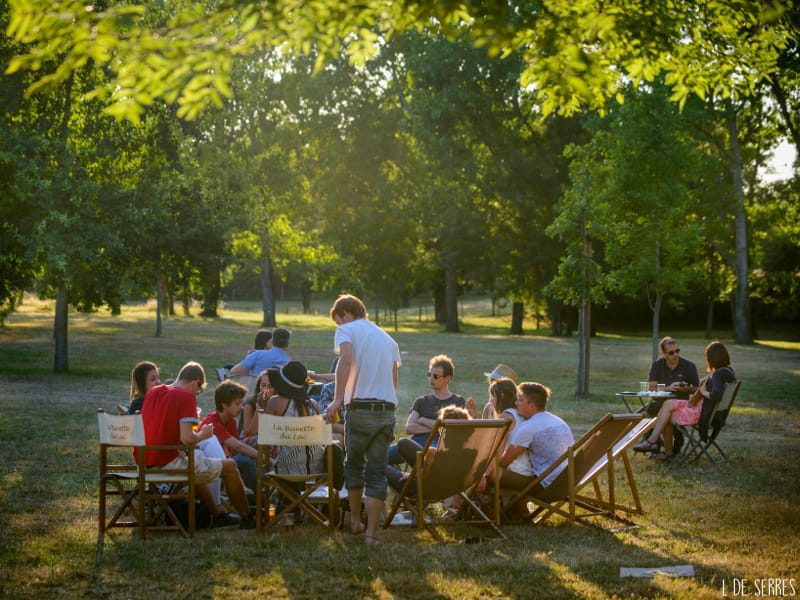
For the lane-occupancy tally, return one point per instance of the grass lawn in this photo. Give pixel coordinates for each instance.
(732, 521)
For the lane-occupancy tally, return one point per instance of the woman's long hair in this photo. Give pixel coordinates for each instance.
(139, 378)
(505, 394)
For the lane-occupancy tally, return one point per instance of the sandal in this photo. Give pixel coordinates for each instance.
(662, 456)
(646, 446)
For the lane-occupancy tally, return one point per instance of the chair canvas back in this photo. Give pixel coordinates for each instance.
(464, 450)
(590, 449)
(293, 431)
(728, 395)
(621, 445)
(121, 430)
(248, 381)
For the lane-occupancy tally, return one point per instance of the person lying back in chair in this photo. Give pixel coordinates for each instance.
(423, 413)
(542, 435)
(408, 448)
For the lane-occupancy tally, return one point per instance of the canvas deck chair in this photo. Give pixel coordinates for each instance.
(610, 504)
(248, 381)
(465, 450)
(143, 496)
(695, 446)
(296, 491)
(583, 463)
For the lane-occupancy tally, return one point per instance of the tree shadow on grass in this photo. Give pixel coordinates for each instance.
(551, 561)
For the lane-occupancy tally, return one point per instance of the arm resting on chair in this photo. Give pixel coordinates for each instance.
(510, 454)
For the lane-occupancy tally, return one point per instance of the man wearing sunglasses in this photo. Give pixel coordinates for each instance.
(422, 418)
(677, 373)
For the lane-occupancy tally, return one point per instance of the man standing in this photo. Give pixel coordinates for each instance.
(422, 418)
(543, 435)
(258, 361)
(679, 374)
(169, 414)
(366, 384)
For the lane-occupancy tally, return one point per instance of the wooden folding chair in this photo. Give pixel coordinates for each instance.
(695, 446)
(582, 464)
(145, 494)
(464, 452)
(610, 505)
(297, 491)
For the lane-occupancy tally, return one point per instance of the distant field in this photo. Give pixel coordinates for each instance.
(731, 521)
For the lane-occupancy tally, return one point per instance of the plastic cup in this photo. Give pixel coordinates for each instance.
(662, 387)
(644, 386)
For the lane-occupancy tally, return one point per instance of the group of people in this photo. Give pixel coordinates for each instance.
(360, 399)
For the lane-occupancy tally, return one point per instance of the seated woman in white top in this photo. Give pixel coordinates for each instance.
(503, 396)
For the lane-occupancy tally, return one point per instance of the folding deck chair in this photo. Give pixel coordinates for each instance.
(248, 381)
(592, 455)
(695, 445)
(145, 494)
(465, 450)
(298, 492)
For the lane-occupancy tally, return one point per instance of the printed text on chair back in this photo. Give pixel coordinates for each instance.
(294, 431)
(120, 430)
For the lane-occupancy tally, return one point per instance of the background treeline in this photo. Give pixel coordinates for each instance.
(428, 171)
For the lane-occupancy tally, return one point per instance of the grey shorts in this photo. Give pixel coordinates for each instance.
(206, 469)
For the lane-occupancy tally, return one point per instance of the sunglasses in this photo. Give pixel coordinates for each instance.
(673, 352)
(434, 376)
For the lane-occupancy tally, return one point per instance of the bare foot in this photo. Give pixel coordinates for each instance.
(357, 527)
(370, 540)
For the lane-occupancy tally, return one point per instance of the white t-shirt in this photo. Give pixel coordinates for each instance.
(522, 464)
(546, 437)
(375, 354)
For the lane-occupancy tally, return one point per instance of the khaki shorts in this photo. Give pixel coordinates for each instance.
(206, 469)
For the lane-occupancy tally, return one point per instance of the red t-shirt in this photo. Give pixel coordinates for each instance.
(221, 430)
(164, 409)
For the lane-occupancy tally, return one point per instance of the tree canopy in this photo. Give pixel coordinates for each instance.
(397, 152)
(575, 53)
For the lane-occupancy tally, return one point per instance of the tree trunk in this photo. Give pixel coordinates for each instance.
(741, 310)
(439, 302)
(61, 320)
(167, 298)
(306, 296)
(517, 316)
(60, 327)
(657, 302)
(158, 307)
(584, 347)
(267, 296)
(710, 318)
(451, 300)
(554, 312)
(584, 318)
(212, 290)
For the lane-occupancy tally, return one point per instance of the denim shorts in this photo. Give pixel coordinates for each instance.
(367, 435)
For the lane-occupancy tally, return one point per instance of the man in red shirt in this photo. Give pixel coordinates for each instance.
(169, 414)
(228, 402)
